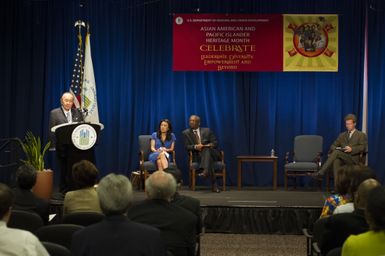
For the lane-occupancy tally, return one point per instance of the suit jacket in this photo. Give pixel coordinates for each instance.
(25, 200)
(191, 204)
(206, 136)
(337, 228)
(177, 225)
(57, 117)
(81, 200)
(117, 235)
(358, 142)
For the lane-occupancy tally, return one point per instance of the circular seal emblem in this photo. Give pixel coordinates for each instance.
(178, 20)
(310, 39)
(84, 136)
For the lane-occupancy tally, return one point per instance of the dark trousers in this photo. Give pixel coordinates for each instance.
(207, 158)
(336, 159)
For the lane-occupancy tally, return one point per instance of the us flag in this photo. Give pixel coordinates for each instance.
(77, 74)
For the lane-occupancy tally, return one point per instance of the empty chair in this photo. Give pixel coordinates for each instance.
(56, 249)
(306, 158)
(58, 234)
(82, 218)
(29, 221)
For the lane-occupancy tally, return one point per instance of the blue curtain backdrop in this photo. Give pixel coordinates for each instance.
(250, 112)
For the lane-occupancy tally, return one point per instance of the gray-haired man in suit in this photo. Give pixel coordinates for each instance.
(62, 115)
(202, 143)
(346, 149)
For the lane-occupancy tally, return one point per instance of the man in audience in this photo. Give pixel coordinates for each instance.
(202, 143)
(15, 241)
(337, 228)
(187, 202)
(116, 234)
(346, 149)
(24, 198)
(371, 243)
(177, 225)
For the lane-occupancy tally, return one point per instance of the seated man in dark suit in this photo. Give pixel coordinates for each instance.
(337, 228)
(116, 234)
(176, 224)
(24, 198)
(202, 143)
(346, 149)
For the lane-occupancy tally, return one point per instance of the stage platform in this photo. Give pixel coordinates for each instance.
(256, 211)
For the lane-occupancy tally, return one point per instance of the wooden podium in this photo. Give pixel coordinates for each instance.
(74, 142)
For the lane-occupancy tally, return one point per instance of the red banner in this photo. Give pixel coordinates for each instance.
(231, 42)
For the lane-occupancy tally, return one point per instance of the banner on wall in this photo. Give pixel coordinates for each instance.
(310, 42)
(254, 42)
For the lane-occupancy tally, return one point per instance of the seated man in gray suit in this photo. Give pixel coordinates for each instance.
(346, 149)
(203, 145)
(65, 114)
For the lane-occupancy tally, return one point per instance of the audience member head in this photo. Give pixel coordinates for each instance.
(67, 101)
(6, 202)
(361, 197)
(160, 185)
(342, 181)
(84, 174)
(194, 122)
(176, 173)
(375, 209)
(164, 127)
(115, 194)
(360, 173)
(26, 177)
(350, 121)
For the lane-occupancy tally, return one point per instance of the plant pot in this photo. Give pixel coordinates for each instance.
(44, 184)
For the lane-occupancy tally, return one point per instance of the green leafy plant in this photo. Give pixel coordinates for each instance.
(32, 148)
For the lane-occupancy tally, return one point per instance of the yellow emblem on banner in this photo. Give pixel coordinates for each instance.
(310, 42)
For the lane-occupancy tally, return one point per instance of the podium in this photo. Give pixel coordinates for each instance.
(74, 142)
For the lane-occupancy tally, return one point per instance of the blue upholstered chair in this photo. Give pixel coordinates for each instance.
(306, 158)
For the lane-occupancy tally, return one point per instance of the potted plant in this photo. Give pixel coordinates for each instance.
(34, 153)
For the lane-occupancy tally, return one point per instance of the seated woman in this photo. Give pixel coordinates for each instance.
(85, 198)
(373, 241)
(162, 143)
(342, 187)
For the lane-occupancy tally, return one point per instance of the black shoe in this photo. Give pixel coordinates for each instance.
(203, 174)
(215, 189)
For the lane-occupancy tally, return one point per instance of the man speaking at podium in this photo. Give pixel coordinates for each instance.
(64, 114)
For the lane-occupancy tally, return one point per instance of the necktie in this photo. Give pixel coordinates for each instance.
(197, 137)
(350, 134)
(68, 117)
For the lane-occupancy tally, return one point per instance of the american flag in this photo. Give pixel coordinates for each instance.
(77, 74)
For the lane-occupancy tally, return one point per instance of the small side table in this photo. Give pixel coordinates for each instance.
(260, 159)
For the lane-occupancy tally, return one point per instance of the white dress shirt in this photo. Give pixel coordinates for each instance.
(16, 242)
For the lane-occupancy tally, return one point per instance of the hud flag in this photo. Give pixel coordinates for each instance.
(310, 42)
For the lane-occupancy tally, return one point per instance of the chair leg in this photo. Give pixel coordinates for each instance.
(224, 179)
(193, 179)
(285, 181)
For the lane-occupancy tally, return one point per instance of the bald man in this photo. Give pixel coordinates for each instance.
(176, 224)
(64, 114)
(203, 145)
